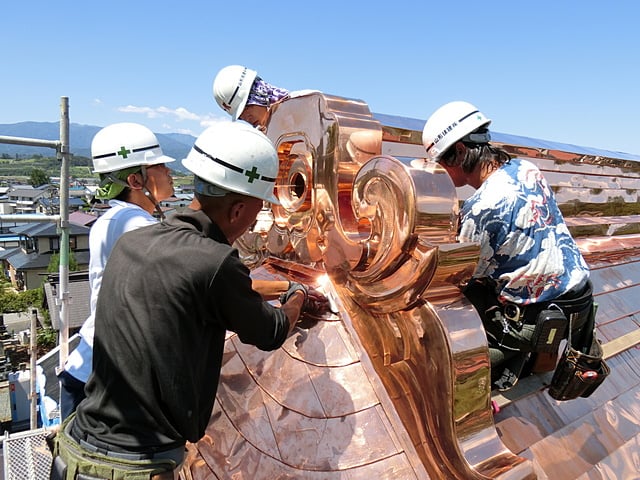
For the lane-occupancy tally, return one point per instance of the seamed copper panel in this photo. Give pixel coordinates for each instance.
(395, 385)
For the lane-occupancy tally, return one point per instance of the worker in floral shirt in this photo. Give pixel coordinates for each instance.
(528, 259)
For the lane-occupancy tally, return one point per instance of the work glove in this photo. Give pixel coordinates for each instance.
(315, 302)
(293, 288)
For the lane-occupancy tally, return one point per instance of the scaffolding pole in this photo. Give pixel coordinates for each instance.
(63, 294)
(63, 154)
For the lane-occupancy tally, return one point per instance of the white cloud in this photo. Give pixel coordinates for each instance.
(186, 131)
(167, 116)
(147, 111)
(208, 120)
(179, 114)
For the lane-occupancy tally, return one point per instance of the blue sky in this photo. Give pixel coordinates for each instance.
(566, 71)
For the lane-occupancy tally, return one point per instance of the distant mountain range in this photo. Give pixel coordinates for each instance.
(176, 145)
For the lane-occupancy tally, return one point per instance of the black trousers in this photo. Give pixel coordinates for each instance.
(71, 394)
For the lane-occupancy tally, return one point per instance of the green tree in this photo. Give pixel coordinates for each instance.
(47, 338)
(54, 263)
(39, 177)
(79, 161)
(12, 301)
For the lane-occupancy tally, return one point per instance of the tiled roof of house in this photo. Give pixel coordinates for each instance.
(46, 229)
(81, 218)
(79, 293)
(31, 261)
(73, 202)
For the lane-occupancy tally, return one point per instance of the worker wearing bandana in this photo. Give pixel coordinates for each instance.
(241, 93)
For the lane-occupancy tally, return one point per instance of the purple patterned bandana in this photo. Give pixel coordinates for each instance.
(265, 94)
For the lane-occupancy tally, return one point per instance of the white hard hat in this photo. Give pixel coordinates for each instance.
(451, 123)
(124, 145)
(235, 157)
(231, 88)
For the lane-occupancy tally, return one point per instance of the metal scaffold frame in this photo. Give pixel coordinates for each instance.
(26, 454)
(63, 154)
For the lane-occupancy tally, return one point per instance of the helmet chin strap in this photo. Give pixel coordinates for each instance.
(149, 195)
(143, 171)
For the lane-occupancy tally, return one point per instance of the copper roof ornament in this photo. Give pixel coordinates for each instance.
(395, 383)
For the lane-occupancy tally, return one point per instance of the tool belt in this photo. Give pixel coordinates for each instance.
(71, 461)
(536, 327)
(541, 328)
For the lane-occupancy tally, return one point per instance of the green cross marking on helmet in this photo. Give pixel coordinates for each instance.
(123, 152)
(252, 174)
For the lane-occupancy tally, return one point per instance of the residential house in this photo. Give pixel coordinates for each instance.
(25, 264)
(79, 299)
(178, 202)
(5, 207)
(9, 240)
(24, 198)
(51, 205)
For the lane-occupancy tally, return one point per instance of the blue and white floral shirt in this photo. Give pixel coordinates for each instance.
(525, 245)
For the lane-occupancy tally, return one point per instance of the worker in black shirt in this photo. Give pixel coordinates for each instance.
(169, 294)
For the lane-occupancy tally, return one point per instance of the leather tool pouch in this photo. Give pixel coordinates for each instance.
(578, 373)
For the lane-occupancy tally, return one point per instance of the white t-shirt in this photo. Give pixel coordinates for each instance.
(120, 218)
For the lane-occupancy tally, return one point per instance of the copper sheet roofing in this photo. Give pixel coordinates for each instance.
(396, 384)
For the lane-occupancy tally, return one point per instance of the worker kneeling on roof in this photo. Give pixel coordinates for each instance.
(531, 279)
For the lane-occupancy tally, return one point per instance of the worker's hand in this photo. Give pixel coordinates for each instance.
(293, 288)
(317, 303)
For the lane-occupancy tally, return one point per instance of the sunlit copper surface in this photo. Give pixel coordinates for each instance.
(395, 385)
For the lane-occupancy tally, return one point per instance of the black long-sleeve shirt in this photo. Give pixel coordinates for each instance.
(169, 294)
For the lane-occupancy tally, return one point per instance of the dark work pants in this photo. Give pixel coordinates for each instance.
(71, 394)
